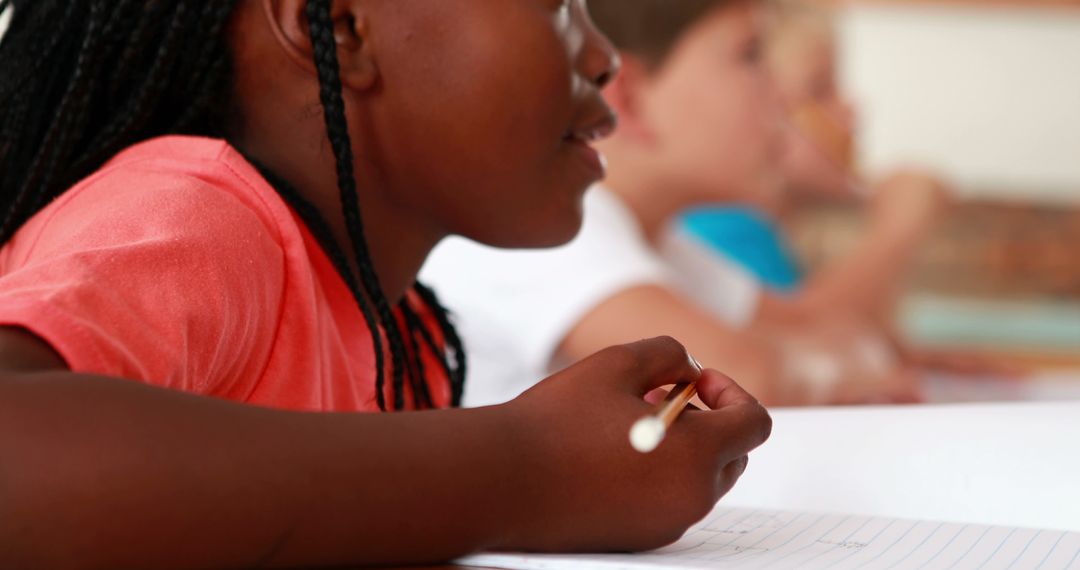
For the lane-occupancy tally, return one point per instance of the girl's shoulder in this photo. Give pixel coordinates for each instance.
(150, 266)
(191, 175)
(175, 187)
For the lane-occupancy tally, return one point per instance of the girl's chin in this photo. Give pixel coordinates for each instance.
(534, 233)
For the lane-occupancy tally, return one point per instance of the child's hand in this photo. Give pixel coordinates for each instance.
(588, 489)
(900, 386)
(844, 361)
(909, 204)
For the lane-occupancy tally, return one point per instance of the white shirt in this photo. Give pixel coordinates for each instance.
(513, 308)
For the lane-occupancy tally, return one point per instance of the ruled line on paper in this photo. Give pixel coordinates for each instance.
(763, 540)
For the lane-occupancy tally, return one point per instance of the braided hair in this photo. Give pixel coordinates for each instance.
(80, 80)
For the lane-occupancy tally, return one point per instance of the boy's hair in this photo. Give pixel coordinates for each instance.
(80, 80)
(649, 29)
(790, 18)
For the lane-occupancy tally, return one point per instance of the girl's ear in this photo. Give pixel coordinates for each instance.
(626, 93)
(288, 19)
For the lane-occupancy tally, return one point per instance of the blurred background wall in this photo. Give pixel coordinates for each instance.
(987, 94)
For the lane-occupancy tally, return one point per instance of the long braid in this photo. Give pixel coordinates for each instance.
(325, 48)
(142, 109)
(71, 111)
(27, 116)
(314, 220)
(21, 68)
(417, 369)
(457, 370)
(321, 230)
(84, 79)
(331, 94)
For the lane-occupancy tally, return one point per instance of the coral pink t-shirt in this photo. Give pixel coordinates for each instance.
(178, 265)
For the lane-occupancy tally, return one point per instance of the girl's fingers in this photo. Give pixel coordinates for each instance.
(733, 431)
(657, 395)
(730, 474)
(718, 391)
(648, 364)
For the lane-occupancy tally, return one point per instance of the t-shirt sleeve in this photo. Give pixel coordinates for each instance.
(534, 298)
(164, 279)
(710, 279)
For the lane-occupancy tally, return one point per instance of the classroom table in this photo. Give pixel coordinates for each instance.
(1004, 464)
(1008, 464)
(1014, 464)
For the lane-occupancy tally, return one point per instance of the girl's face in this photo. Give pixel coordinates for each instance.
(481, 116)
(713, 111)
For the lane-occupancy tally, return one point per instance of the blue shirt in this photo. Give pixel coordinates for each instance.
(748, 238)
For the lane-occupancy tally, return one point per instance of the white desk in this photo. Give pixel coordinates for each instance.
(1001, 464)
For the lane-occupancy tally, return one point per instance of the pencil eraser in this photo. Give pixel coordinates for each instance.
(647, 434)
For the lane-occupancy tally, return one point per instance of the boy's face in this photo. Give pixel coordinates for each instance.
(713, 113)
(484, 111)
(821, 149)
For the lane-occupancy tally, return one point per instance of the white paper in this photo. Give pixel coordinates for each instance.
(758, 539)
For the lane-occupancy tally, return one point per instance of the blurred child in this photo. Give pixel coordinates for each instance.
(209, 204)
(901, 210)
(819, 161)
(700, 123)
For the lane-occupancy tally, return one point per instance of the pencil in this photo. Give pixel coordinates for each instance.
(650, 430)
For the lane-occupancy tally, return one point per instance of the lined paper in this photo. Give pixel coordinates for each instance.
(758, 539)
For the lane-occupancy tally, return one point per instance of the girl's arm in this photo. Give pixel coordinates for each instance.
(99, 472)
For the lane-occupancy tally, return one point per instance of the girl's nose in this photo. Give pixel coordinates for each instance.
(599, 60)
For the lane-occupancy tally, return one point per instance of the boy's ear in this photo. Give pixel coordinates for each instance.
(289, 21)
(625, 95)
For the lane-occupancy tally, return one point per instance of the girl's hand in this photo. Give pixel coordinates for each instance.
(588, 489)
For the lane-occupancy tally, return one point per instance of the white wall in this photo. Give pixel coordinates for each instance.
(990, 97)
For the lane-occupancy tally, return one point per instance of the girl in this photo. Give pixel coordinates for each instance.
(231, 199)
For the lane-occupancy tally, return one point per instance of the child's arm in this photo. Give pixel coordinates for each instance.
(99, 472)
(869, 280)
(770, 362)
(651, 309)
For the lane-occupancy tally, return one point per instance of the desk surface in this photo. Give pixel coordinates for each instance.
(997, 464)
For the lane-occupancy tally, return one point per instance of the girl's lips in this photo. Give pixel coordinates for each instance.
(591, 158)
(599, 128)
